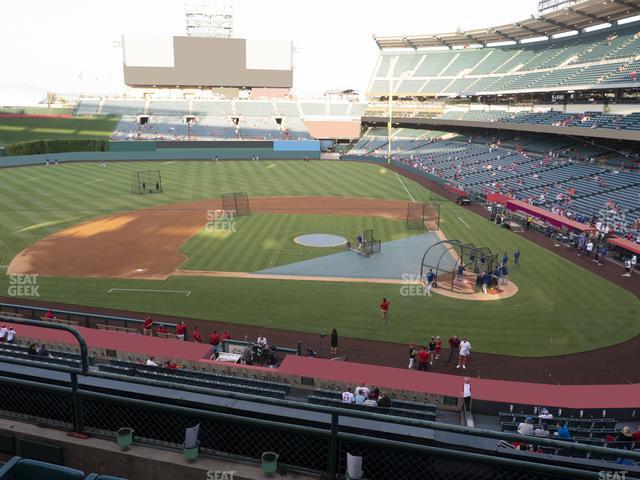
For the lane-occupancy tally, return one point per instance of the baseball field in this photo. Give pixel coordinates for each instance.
(95, 243)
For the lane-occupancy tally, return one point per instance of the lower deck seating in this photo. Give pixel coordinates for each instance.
(400, 408)
(199, 378)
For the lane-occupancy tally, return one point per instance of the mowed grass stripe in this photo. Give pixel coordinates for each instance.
(560, 308)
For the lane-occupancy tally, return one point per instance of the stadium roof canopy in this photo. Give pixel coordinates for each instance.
(576, 17)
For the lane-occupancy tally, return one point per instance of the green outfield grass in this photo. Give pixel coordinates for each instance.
(15, 130)
(267, 240)
(561, 308)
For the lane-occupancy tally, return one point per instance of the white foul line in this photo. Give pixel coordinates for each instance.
(93, 181)
(465, 223)
(405, 187)
(186, 292)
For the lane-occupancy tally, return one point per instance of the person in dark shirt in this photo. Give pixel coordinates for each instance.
(33, 350)
(42, 351)
(516, 256)
(412, 356)
(431, 347)
(384, 402)
(334, 342)
(454, 345)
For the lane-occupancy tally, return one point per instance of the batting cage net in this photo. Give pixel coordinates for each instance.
(370, 245)
(423, 215)
(147, 181)
(236, 203)
(458, 265)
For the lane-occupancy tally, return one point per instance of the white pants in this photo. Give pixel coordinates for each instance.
(484, 288)
(412, 362)
(429, 287)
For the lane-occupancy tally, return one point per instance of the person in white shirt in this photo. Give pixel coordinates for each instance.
(634, 261)
(544, 413)
(526, 427)
(363, 390)
(370, 402)
(589, 248)
(627, 268)
(465, 351)
(11, 335)
(151, 362)
(348, 397)
(466, 394)
(541, 431)
(3, 333)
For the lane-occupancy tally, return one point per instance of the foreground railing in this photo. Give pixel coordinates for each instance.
(318, 446)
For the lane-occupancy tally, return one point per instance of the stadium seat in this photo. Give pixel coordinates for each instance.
(24, 469)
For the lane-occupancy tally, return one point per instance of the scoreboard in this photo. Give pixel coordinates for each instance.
(165, 61)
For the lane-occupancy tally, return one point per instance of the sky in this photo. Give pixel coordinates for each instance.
(67, 46)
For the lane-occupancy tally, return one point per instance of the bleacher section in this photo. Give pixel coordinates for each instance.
(570, 181)
(198, 379)
(599, 58)
(122, 107)
(400, 408)
(87, 106)
(600, 432)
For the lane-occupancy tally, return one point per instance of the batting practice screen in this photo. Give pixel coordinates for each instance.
(423, 215)
(236, 203)
(147, 181)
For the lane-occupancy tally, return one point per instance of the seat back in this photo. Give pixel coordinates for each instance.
(35, 470)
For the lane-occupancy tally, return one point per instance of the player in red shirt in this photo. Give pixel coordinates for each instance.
(171, 365)
(181, 330)
(161, 329)
(423, 359)
(225, 335)
(384, 310)
(147, 325)
(49, 314)
(438, 347)
(215, 341)
(197, 337)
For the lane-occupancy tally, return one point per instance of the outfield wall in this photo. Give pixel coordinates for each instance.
(169, 151)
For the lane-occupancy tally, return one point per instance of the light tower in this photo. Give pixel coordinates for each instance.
(209, 18)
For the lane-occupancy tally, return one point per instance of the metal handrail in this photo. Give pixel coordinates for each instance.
(84, 351)
(81, 314)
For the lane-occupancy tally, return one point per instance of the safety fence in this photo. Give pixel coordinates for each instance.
(318, 443)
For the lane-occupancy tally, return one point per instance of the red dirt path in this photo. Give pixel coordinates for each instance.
(145, 243)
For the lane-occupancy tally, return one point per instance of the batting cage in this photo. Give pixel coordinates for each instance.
(147, 181)
(236, 203)
(423, 215)
(458, 266)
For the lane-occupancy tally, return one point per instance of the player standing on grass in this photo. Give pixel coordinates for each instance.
(431, 279)
(384, 310)
(516, 256)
